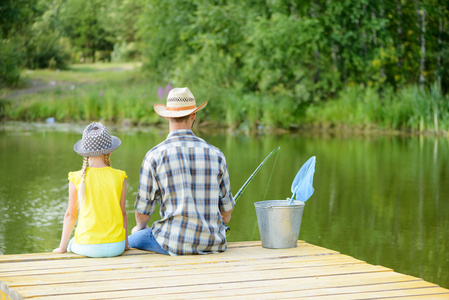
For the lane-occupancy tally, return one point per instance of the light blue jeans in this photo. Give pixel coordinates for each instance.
(145, 240)
(97, 250)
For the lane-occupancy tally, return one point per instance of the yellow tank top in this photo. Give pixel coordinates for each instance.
(100, 219)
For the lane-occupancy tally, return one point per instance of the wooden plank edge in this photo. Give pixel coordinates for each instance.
(68, 255)
(198, 259)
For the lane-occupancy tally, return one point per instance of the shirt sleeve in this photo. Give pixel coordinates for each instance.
(75, 177)
(226, 199)
(123, 175)
(148, 192)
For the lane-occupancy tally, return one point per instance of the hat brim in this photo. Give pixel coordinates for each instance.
(78, 147)
(162, 111)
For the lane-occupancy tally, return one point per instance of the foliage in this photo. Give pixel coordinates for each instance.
(94, 93)
(108, 104)
(16, 17)
(10, 60)
(303, 54)
(47, 50)
(254, 59)
(409, 109)
(51, 33)
(124, 52)
(81, 22)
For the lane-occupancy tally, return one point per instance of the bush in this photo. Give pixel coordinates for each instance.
(46, 49)
(124, 52)
(10, 61)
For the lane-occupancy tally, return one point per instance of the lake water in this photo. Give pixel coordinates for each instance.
(381, 199)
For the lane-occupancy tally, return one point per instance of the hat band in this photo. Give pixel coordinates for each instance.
(181, 108)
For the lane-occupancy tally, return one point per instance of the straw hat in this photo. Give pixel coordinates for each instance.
(180, 103)
(96, 141)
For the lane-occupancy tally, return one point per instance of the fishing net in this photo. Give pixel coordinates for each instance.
(302, 186)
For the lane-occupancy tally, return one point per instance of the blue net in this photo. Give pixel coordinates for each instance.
(302, 186)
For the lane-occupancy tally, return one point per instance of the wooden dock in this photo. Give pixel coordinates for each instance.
(244, 271)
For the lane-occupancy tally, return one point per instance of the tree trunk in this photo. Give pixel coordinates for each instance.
(313, 13)
(440, 31)
(381, 44)
(421, 16)
(399, 45)
(422, 80)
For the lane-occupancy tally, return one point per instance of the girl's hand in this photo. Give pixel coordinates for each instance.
(59, 250)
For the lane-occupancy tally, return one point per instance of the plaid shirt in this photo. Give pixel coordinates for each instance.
(190, 180)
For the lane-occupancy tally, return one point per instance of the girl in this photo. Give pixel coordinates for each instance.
(97, 195)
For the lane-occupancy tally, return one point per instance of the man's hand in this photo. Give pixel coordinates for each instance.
(137, 228)
(226, 215)
(141, 222)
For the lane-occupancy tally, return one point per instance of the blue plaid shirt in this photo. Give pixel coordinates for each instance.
(190, 180)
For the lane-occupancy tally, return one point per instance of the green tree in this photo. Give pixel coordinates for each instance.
(161, 27)
(81, 23)
(119, 22)
(45, 45)
(17, 17)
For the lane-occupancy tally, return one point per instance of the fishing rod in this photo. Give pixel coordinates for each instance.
(242, 189)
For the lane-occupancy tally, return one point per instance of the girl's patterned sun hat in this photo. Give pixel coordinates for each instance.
(180, 103)
(96, 141)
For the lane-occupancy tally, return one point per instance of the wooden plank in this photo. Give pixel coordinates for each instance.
(347, 291)
(246, 270)
(190, 279)
(405, 293)
(288, 291)
(245, 287)
(4, 296)
(53, 256)
(114, 274)
(422, 297)
(137, 270)
(250, 253)
(157, 261)
(302, 262)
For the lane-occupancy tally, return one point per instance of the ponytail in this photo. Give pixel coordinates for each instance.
(82, 187)
(107, 159)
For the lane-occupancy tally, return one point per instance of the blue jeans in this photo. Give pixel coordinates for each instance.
(145, 240)
(97, 250)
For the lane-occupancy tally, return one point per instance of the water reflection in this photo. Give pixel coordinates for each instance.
(380, 199)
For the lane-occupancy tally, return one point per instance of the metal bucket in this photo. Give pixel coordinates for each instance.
(279, 223)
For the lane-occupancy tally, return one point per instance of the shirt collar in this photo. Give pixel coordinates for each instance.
(180, 132)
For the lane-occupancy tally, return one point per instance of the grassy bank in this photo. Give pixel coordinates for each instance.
(120, 93)
(110, 92)
(410, 109)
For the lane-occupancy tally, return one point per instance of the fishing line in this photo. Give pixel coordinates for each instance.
(242, 189)
(271, 175)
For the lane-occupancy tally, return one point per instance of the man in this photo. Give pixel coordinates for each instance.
(189, 178)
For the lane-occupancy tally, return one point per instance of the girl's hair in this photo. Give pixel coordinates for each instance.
(82, 188)
(107, 159)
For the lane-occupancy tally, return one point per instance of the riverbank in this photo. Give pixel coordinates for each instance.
(120, 94)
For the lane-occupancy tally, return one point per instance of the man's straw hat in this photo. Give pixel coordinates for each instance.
(180, 103)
